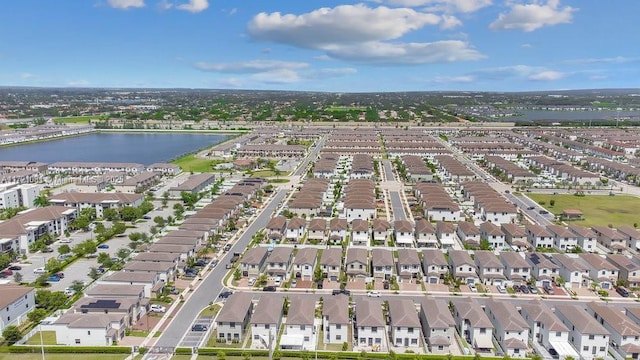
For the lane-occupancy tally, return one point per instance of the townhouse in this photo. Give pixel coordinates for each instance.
(165, 269)
(335, 319)
(538, 236)
(150, 282)
(359, 200)
(473, 324)
(279, 262)
(624, 333)
(72, 167)
(493, 234)
(574, 271)
(338, 230)
(446, 233)
(563, 238)
(253, 262)
(404, 323)
(357, 263)
(631, 235)
(434, 265)
(516, 269)
(468, 233)
(438, 325)
(628, 269)
(515, 236)
(403, 233)
(546, 329)
(425, 234)
(78, 329)
(275, 228)
(317, 230)
(601, 271)
(382, 263)
(543, 269)
(300, 331)
(97, 201)
(381, 230)
(490, 269)
(370, 325)
(193, 185)
(510, 329)
(331, 263)
(233, 318)
(295, 229)
(304, 264)
(463, 268)
(265, 321)
(16, 302)
(360, 232)
(588, 337)
(408, 264)
(610, 238)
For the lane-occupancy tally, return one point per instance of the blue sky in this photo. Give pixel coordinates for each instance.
(372, 45)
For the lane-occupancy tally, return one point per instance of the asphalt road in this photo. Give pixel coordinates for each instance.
(312, 156)
(388, 170)
(211, 285)
(396, 205)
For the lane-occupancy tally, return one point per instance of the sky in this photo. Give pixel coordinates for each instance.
(311, 45)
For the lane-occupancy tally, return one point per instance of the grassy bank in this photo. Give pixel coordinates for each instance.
(597, 209)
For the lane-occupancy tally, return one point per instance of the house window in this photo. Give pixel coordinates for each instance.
(410, 330)
(483, 330)
(378, 341)
(89, 332)
(306, 338)
(591, 337)
(232, 325)
(338, 337)
(440, 347)
(266, 326)
(414, 341)
(601, 348)
(558, 333)
(302, 327)
(585, 348)
(338, 326)
(374, 329)
(77, 341)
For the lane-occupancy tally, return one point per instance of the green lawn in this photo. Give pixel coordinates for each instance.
(77, 119)
(263, 173)
(38, 356)
(192, 163)
(597, 209)
(211, 310)
(48, 338)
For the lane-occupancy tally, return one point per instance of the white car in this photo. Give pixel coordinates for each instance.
(158, 308)
(277, 282)
(40, 270)
(473, 288)
(69, 291)
(65, 241)
(251, 281)
(374, 294)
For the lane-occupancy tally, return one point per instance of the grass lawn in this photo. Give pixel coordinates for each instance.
(211, 310)
(77, 119)
(212, 341)
(263, 173)
(597, 209)
(38, 356)
(192, 163)
(278, 181)
(48, 338)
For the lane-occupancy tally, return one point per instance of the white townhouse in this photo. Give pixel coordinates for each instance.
(628, 268)
(337, 230)
(468, 233)
(331, 263)
(335, 319)
(446, 233)
(425, 234)
(233, 318)
(601, 270)
(370, 325)
(253, 262)
(563, 238)
(295, 229)
(585, 237)
(382, 263)
(493, 234)
(404, 323)
(546, 329)
(300, 331)
(624, 332)
(78, 329)
(463, 267)
(15, 303)
(434, 265)
(543, 269)
(265, 321)
(360, 234)
(510, 329)
(304, 263)
(317, 229)
(516, 269)
(403, 233)
(574, 271)
(408, 264)
(589, 338)
(538, 236)
(631, 235)
(381, 230)
(490, 269)
(473, 324)
(438, 325)
(279, 262)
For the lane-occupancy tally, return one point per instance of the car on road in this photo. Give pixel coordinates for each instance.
(214, 263)
(47, 250)
(69, 291)
(374, 294)
(66, 241)
(473, 288)
(543, 212)
(531, 207)
(199, 327)
(40, 270)
(157, 308)
(269, 288)
(341, 291)
(103, 246)
(53, 278)
(15, 267)
(225, 294)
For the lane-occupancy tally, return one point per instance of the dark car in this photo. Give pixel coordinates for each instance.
(385, 285)
(269, 288)
(225, 294)
(543, 212)
(199, 327)
(531, 207)
(622, 291)
(15, 267)
(200, 263)
(341, 291)
(7, 272)
(533, 289)
(53, 278)
(103, 246)
(319, 284)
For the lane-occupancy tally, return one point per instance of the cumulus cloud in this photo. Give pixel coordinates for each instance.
(362, 34)
(454, 79)
(606, 60)
(548, 75)
(251, 66)
(461, 6)
(194, 6)
(530, 17)
(125, 4)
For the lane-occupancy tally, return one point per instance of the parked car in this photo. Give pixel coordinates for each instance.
(622, 291)
(277, 282)
(53, 278)
(47, 250)
(251, 281)
(69, 291)
(103, 246)
(549, 289)
(199, 327)
(341, 291)
(66, 241)
(269, 288)
(533, 289)
(374, 294)
(294, 283)
(501, 289)
(473, 288)
(157, 308)
(214, 263)
(225, 294)
(40, 270)
(385, 285)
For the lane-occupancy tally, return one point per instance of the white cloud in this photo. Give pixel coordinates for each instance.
(125, 4)
(450, 22)
(164, 5)
(331, 73)
(249, 67)
(526, 46)
(530, 17)
(194, 6)
(276, 76)
(233, 11)
(548, 75)
(454, 79)
(27, 76)
(361, 34)
(462, 6)
(608, 60)
(598, 77)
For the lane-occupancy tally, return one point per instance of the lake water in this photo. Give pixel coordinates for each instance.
(144, 148)
(534, 115)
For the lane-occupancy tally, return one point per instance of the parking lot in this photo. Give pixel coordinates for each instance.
(194, 338)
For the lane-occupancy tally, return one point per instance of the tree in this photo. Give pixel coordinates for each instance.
(17, 277)
(80, 223)
(53, 265)
(237, 274)
(93, 273)
(159, 220)
(178, 210)
(88, 212)
(135, 236)
(104, 260)
(36, 315)
(50, 300)
(89, 247)
(41, 200)
(110, 214)
(64, 249)
(118, 228)
(123, 253)
(11, 334)
(129, 213)
(77, 285)
(5, 260)
(41, 280)
(552, 202)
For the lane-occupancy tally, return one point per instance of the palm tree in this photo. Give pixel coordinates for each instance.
(41, 200)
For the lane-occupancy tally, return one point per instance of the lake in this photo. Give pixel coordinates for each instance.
(144, 148)
(533, 115)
